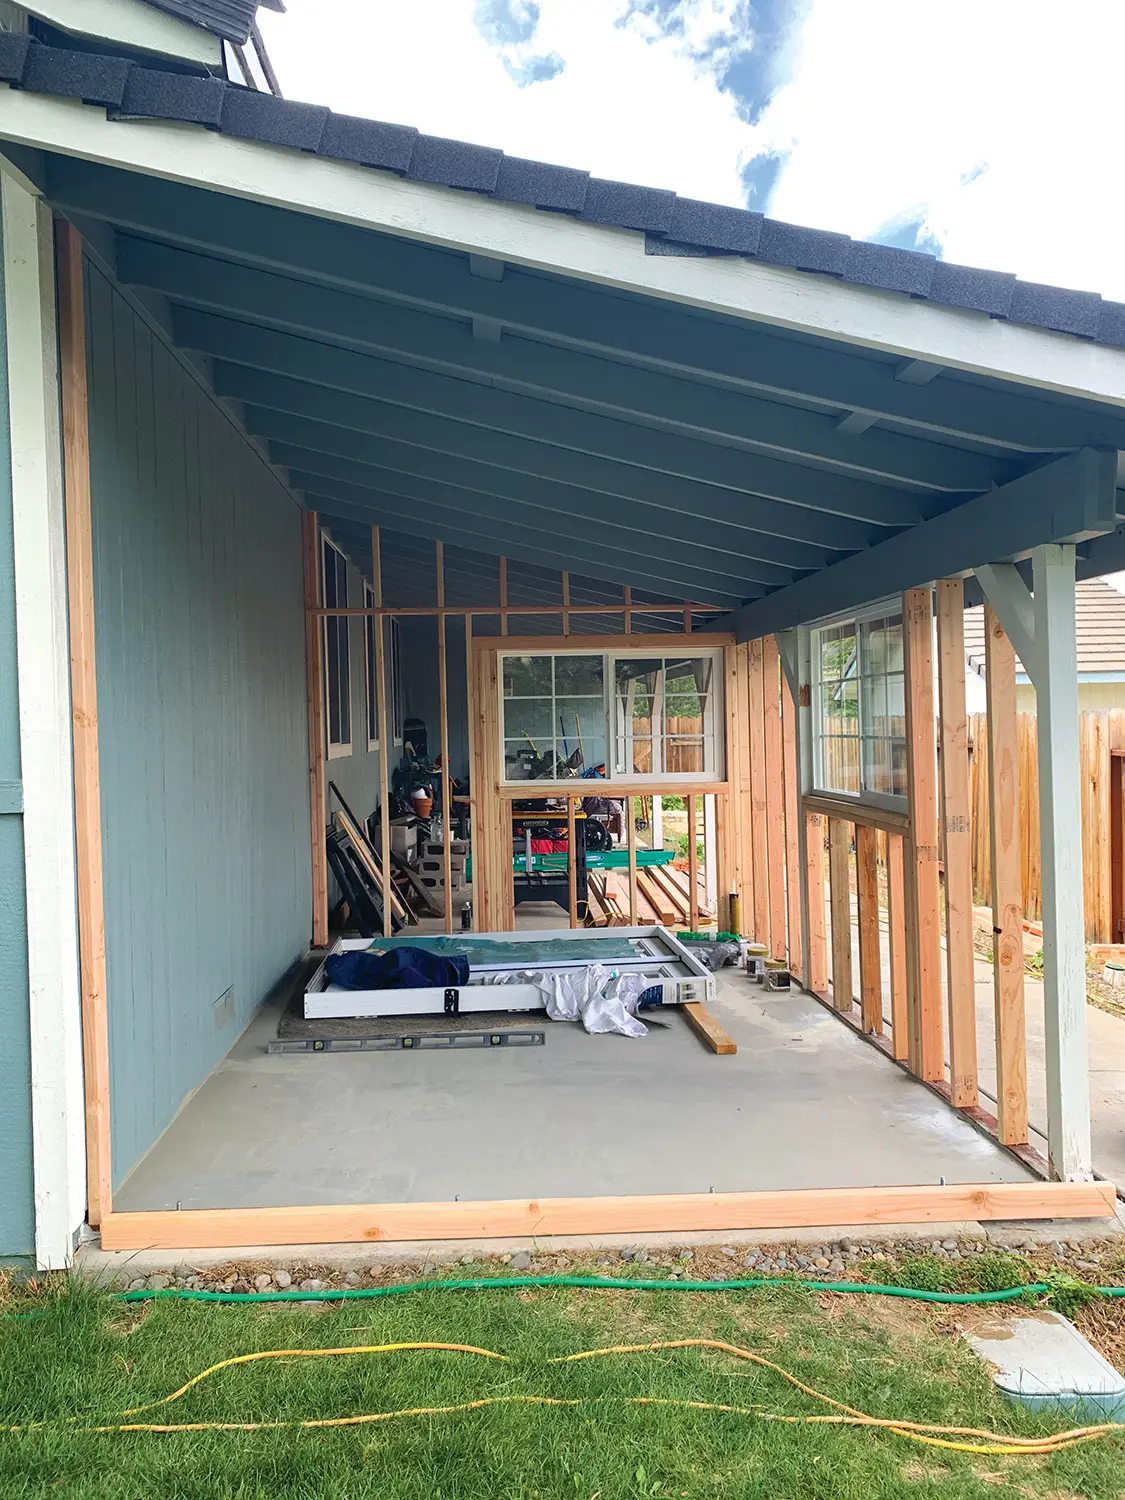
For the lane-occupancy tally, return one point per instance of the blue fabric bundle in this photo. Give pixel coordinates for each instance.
(398, 969)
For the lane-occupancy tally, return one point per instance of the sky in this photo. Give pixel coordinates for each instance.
(986, 131)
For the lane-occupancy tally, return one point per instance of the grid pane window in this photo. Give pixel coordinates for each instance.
(861, 708)
(664, 716)
(337, 652)
(553, 716)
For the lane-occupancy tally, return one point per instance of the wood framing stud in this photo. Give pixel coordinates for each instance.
(817, 977)
(896, 921)
(84, 709)
(443, 717)
(693, 863)
(870, 963)
(384, 735)
(314, 694)
(753, 727)
(792, 828)
(571, 862)
(775, 798)
(840, 900)
(923, 922)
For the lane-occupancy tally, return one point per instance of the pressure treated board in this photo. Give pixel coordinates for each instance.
(200, 1229)
(707, 1029)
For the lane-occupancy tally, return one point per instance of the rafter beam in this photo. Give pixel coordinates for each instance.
(1070, 498)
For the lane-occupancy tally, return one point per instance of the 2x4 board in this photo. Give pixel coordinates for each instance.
(495, 957)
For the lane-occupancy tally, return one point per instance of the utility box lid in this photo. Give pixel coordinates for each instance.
(1042, 1361)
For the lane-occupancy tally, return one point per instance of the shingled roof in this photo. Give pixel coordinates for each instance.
(231, 19)
(672, 225)
(1099, 625)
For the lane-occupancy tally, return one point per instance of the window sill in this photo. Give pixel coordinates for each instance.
(894, 820)
(339, 752)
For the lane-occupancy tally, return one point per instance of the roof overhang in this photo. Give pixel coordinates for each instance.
(133, 24)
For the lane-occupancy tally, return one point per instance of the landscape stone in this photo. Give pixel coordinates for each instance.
(283, 1279)
(521, 1261)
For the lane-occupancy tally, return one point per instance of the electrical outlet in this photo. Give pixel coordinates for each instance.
(222, 1011)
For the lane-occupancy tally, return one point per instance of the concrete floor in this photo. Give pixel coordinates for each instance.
(804, 1103)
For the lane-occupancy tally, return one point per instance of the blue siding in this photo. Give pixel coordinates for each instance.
(17, 1221)
(200, 645)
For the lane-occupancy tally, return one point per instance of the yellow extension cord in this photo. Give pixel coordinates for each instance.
(994, 1444)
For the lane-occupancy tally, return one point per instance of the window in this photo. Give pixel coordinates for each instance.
(627, 717)
(337, 653)
(860, 708)
(370, 668)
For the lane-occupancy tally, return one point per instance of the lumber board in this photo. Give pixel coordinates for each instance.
(656, 897)
(693, 864)
(870, 961)
(1007, 896)
(218, 1228)
(370, 862)
(443, 721)
(631, 836)
(571, 863)
(792, 840)
(384, 732)
(923, 891)
(314, 695)
(759, 848)
(840, 901)
(896, 921)
(960, 957)
(84, 716)
(707, 1029)
(814, 881)
(775, 797)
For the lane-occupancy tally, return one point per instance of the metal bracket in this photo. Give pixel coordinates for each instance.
(452, 1003)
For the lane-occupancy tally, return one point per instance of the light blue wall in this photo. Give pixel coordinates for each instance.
(203, 739)
(17, 1230)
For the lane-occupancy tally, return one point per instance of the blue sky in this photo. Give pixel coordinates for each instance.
(985, 130)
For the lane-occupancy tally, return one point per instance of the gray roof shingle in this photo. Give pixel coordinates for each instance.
(672, 225)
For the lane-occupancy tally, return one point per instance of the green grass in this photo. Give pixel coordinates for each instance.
(84, 1355)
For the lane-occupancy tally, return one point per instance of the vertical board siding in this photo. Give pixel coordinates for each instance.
(17, 1224)
(197, 567)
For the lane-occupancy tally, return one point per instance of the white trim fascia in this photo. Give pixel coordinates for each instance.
(891, 322)
(57, 1091)
(132, 23)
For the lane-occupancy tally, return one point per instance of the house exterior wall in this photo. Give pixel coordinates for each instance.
(17, 1228)
(203, 739)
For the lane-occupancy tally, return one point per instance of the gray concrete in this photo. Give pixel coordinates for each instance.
(803, 1104)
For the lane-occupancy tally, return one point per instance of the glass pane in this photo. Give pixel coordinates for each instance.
(895, 661)
(580, 731)
(840, 763)
(837, 652)
(692, 677)
(520, 762)
(896, 705)
(898, 768)
(684, 755)
(874, 641)
(527, 676)
(529, 718)
(876, 766)
(640, 762)
(875, 706)
(689, 707)
(578, 676)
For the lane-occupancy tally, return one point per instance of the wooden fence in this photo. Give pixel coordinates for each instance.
(1101, 736)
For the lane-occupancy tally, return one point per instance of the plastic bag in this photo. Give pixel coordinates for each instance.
(603, 1000)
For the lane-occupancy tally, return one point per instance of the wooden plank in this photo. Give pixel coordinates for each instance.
(314, 706)
(367, 857)
(639, 641)
(792, 829)
(503, 596)
(707, 1029)
(470, 732)
(853, 812)
(443, 720)
(960, 956)
(631, 836)
(896, 920)
(775, 797)
(693, 866)
(84, 714)
(628, 610)
(759, 851)
(566, 603)
(840, 901)
(656, 1213)
(571, 862)
(1007, 899)
(817, 976)
(870, 962)
(923, 890)
(386, 873)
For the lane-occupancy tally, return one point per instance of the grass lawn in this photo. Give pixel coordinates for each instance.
(86, 1356)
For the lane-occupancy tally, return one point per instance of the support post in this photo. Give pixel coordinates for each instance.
(571, 861)
(657, 829)
(840, 899)
(710, 850)
(503, 596)
(792, 836)
(384, 730)
(775, 797)
(896, 922)
(753, 728)
(628, 610)
(927, 1052)
(443, 713)
(957, 845)
(1007, 894)
(566, 602)
(1060, 832)
(693, 865)
(870, 963)
(471, 730)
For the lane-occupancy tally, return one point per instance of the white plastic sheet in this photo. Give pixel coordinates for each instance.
(602, 999)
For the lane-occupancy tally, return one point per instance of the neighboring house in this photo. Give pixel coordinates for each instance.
(1100, 628)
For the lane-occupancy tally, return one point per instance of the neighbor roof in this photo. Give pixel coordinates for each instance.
(1099, 624)
(672, 225)
(231, 19)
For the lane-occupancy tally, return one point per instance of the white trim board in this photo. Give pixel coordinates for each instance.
(888, 321)
(57, 1097)
(133, 23)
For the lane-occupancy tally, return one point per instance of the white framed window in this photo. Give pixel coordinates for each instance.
(371, 624)
(337, 652)
(619, 716)
(859, 708)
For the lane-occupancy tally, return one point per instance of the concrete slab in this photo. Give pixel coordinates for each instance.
(804, 1103)
(1041, 1361)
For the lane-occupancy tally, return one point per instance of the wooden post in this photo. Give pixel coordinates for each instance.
(927, 1051)
(470, 732)
(628, 610)
(957, 844)
(631, 834)
(896, 921)
(792, 840)
(775, 797)
(443, 714)
(503, 596)
(566, 603)
(759, 851)
(840, 899)
(1060, 833)
(710, 852)
(384, 731)
(84, 710)
(870, 962)
(572, 861)
(693, 865)
(817, 976)
(314, 690)
(1007, 895)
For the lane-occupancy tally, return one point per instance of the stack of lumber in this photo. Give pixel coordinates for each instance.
(663, 898)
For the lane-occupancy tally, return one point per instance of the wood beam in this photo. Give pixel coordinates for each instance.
(870, 961)
(693, 863)
(753, 729)
(84, 712)
(713, 1036)
(384, 733)
(571, 862)
(956, 829)
(775, 798)
(923, 892)
(314, 701)
(817, 975)
(896, 921)
(1007, 894)
(840, 900)
(443, 720)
